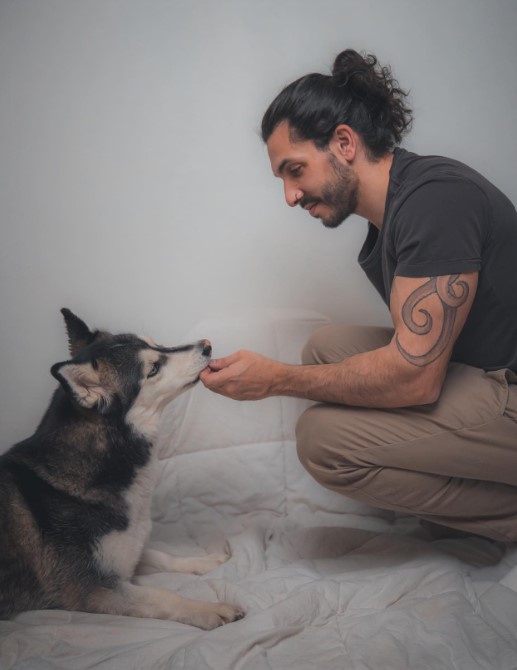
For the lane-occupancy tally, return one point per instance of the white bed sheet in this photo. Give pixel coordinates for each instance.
(326, 583)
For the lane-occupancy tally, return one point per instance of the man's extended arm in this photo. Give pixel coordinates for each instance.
(428, 314)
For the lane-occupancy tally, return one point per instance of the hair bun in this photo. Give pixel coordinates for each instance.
(348, 61)
(352, 68)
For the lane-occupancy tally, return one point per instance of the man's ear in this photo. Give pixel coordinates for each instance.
(82, 382)
(344, 141)
(79, 335)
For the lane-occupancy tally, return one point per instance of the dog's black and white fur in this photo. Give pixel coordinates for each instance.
(75, 497)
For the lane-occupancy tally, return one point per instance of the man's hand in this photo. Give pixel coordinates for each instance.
(243, 375)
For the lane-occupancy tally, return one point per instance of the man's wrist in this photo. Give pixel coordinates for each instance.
(285, 380)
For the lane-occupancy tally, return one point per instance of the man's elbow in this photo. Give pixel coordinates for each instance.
(428, 397)
(426, 390)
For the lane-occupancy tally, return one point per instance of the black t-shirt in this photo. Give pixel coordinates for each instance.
(443, 218)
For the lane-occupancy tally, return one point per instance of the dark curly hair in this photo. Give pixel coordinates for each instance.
(359, 93)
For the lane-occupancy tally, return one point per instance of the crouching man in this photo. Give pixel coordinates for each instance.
(420, 418)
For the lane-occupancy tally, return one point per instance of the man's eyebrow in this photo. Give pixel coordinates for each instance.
(282, 166)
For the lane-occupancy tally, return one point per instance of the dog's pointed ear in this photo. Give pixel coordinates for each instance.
(79, 335)
(83, 383)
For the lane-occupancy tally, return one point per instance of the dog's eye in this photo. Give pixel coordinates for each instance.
(154, 370)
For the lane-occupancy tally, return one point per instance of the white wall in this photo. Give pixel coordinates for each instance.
(134, 187)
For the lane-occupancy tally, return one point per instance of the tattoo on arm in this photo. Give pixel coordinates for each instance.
(452, 294)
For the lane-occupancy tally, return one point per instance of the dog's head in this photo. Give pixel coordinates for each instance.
(126, 373)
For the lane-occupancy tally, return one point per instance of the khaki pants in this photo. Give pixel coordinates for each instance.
(453, 463)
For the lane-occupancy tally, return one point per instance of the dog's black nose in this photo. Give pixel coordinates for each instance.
(207, 348)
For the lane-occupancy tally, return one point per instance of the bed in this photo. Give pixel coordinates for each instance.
(326, 583)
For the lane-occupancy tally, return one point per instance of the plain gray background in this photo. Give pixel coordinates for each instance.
(134, 187)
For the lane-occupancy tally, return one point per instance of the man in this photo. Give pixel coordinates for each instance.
(421, 418)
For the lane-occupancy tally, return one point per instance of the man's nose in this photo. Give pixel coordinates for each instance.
(293, 194)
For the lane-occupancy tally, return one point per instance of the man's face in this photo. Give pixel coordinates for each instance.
(313, 178)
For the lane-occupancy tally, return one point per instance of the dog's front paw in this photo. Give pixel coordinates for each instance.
(204, 564)
(212, 615)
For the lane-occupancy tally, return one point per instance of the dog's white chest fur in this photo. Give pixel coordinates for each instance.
(119, 551)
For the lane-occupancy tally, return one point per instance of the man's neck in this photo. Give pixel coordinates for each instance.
(374, 179)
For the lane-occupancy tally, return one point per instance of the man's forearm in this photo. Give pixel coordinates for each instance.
(372, 379)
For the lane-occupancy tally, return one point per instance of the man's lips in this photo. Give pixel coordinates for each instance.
(311, 207)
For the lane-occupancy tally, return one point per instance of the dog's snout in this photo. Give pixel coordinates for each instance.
(207, 347)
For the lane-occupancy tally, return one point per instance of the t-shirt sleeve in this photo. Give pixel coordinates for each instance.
(439, 229)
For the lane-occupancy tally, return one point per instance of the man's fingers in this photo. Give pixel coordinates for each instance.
(213, 378)
(205, 374)
(217, 364)
(220, 363)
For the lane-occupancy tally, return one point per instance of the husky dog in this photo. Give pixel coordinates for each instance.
(75, 497)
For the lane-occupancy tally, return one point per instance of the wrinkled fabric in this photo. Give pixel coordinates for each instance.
(326, 582)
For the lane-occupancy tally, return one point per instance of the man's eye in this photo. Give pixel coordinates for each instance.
(154, 370)
(296, 172)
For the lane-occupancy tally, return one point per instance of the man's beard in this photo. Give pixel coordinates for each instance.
(340, 194)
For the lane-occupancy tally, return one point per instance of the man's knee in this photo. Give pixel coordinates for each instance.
(324, 452)
(307, 437)
(313, 351)
(333, 343)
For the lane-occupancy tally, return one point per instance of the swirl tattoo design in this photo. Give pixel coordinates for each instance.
(452, 294)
